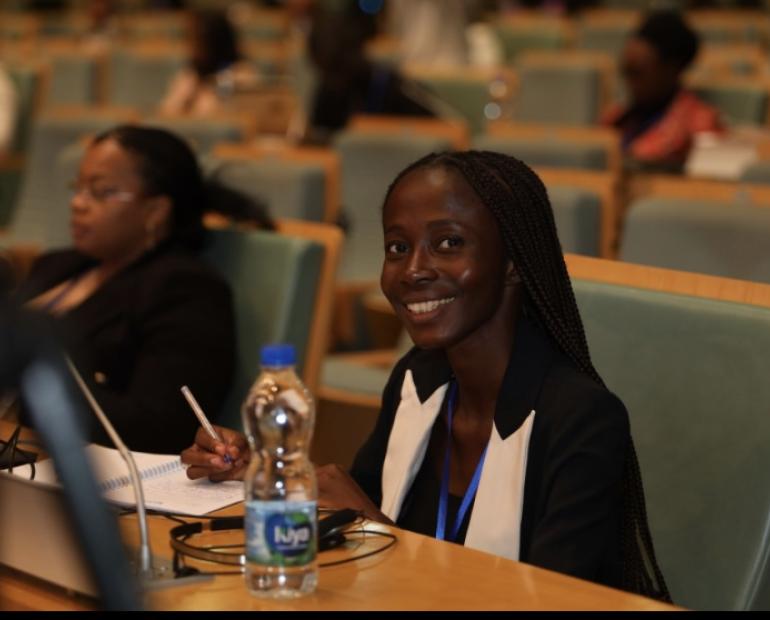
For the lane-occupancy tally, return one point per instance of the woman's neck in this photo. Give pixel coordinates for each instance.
(479, 363)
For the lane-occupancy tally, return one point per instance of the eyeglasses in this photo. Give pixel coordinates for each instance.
(100, 194)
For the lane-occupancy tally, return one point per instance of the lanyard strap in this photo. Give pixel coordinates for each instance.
(470, 492)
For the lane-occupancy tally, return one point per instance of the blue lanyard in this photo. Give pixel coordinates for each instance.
(470, 492)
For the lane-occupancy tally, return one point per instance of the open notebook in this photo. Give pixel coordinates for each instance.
(165, 483)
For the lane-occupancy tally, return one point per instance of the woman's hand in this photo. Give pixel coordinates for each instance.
(337, 490)
(206, 457)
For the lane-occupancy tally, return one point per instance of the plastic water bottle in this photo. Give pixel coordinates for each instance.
(281, 492)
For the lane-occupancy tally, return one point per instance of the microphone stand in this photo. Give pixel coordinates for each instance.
(145, 555)
(147, 572)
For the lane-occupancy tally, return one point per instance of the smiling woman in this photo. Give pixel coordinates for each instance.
(496, 431)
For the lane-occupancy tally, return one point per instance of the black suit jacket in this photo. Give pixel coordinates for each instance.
(163, 322)
(571, 512)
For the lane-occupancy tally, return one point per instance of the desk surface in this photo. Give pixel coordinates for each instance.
(418, 573)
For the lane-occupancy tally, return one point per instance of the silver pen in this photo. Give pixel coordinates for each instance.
(203, 419)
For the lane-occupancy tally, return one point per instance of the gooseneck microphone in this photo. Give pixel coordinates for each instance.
(28, 361)
(145, 554)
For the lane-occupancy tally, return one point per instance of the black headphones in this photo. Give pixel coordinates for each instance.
(330, 535)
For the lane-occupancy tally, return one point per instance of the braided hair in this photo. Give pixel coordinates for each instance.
(518, 199)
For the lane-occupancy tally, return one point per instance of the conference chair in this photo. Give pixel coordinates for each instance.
(474, 95)
(204, 133)
(548, 80)
(687, 354)
(555, 146)
(138, 76)
(605, 29)
(741, 100)
(282, 286)
(711, 227)
(295, 182)
(526, 31)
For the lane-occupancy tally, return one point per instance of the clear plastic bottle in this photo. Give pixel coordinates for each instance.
(281, 491)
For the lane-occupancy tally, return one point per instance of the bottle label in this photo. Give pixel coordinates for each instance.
(280, 533)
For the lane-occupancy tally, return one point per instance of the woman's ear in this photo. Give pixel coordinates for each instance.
(160, 213)
(512, 277)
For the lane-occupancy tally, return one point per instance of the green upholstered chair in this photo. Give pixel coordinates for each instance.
(290, 189)
(739, 102)
(466, 95)
(201, 133)
(516, 38)
(721, 239)
(73, 80)
(28, 80)
(550, 93)
(692, 373)
(758, 172)
(275, 279)
(577, 212)
(370, 162)
(139, 79)
(552, 152)
(608, 37)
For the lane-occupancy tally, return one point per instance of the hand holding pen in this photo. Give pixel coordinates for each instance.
(218, 453)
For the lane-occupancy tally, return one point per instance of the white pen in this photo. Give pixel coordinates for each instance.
(203, 419)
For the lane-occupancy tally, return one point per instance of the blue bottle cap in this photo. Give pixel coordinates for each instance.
(278, 355)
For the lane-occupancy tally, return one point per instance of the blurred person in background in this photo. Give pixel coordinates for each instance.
(662, 117)
(137, 310)
(215, 72)
(348, 82)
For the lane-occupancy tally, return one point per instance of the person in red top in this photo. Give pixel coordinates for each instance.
(659, 124)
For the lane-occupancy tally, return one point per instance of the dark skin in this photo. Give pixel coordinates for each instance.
(441, 245)
(649, 78)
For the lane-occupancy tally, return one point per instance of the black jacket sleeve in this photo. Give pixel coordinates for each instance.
(183, 332)
(575, 486)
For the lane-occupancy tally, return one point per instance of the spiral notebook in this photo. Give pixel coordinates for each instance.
(164, 481)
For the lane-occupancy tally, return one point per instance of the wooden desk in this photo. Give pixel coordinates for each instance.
(418, 573)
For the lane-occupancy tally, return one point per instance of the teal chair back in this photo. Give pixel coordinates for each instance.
(693, 374)
(73, 80)
(274, 279)
(567, 95)
(289, 189)
(738, 104)
(728, 240)
(467, 97)
(201, 133)
(369, 164)
(516, 40)
(140, 81)
(549, 153)
(577, 213)
(27, 81)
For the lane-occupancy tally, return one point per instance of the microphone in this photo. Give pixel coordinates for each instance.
(145, 555)
(29, 362)
(151, 576)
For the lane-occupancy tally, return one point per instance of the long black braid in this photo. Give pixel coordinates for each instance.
(519, 201)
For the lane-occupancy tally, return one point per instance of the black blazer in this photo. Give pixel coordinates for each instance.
(570, 513)
(163, 322)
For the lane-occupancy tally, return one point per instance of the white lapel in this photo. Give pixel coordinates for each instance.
(407, 443)
(495, 523)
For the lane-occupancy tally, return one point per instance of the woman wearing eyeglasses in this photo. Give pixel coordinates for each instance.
(138, 312)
